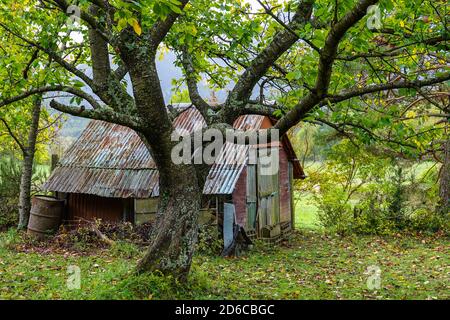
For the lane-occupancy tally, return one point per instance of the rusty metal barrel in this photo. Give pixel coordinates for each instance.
(45, 215)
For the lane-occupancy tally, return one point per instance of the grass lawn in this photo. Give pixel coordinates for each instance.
(309, 266)
(306, 213)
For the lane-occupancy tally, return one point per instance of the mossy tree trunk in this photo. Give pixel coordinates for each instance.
(28, 152)
(444, 180)
(174, 235)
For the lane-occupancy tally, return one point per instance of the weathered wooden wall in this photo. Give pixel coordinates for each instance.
(240, 192)
(240, 198)
(285, 196)
(91, 207)
(145, 210)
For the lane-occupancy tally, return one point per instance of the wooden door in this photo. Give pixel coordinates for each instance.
(268, 193)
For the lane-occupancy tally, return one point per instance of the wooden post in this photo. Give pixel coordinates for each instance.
(54, 161)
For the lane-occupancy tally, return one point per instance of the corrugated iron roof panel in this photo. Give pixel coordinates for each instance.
(108, 146)
(112, 183)
(231, 160)
(110, 160)
(189, 121)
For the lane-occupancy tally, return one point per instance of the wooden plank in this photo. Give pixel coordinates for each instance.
(92, 207)
(268, 194)
(144, 217)
(149, 205)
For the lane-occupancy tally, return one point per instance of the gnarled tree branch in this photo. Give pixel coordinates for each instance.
(348, 94)
(104, 114)
(54, 88)
(88, 17)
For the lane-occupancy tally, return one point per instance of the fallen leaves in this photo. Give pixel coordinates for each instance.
(312, 267)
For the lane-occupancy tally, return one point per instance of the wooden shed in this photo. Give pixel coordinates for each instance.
(108, 173)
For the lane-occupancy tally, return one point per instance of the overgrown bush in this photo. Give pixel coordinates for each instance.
(10, 175)
(426, 220)
(209, 241)
(379, 208)
(357, 192)
(334, 212)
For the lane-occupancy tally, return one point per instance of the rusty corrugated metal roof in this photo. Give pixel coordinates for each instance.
(189, 121)
(231, 160)
(112, 183)
(110, 160)
(108, 146)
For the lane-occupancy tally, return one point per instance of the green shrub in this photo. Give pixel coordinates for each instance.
(10, 173)
(209, 241)
(8, 213)
(375, 200)
(10, 176)
(371, 213)
(334, 212)
(430, 221)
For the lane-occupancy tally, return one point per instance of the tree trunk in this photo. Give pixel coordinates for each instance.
(27, 167)
(174, 235)
(444, 181)
(173, 238)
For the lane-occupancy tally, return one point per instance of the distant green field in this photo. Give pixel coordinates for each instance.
(306, 213)
(43, 168)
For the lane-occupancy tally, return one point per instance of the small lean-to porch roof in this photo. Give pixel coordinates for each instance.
(110, 160)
